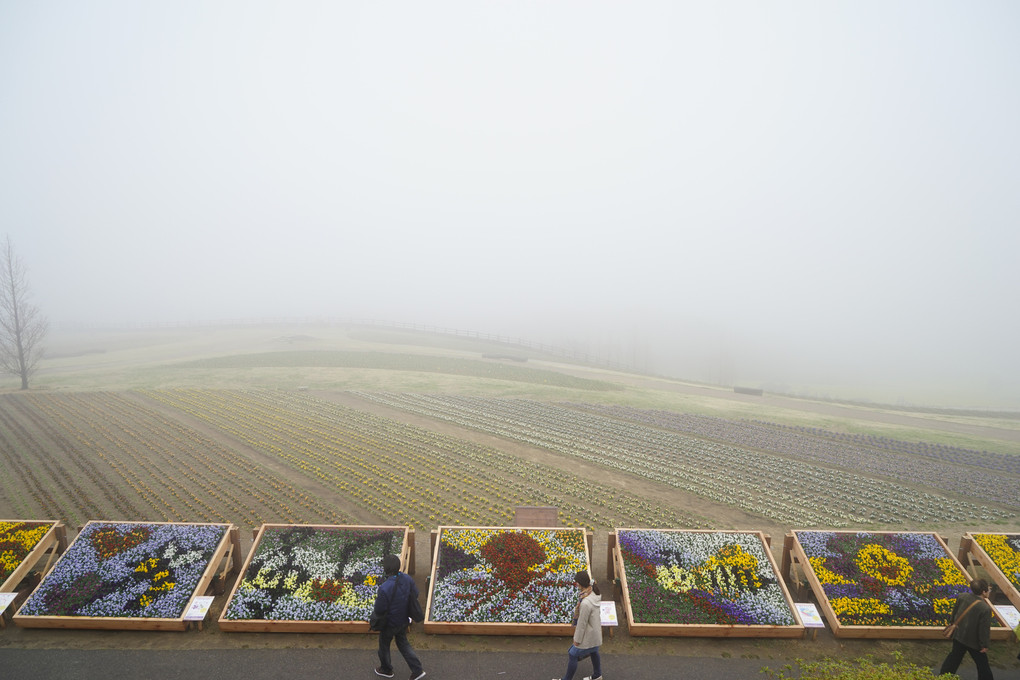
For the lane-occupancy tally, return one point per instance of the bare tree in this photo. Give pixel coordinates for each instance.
(22, 327)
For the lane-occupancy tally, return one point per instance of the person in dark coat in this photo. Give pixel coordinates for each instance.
(391, 602)
(973, 631)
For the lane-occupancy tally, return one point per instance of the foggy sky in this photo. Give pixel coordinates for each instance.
(757, 192)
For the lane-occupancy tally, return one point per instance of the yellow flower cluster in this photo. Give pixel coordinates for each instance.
(884, 565)
(262, 580)
(146, 565)
(952, 575)
(826, 575)
(732, 556)
(469, 541)
(859, 607)
(944, 605)
(674, 579)
(25, 539)
(730, 571)
(1002, 553)
(159, 582)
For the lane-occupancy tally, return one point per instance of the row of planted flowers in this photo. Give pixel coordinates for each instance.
(810, 494)
(508, 575)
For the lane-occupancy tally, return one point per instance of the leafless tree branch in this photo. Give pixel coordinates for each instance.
(22, 326)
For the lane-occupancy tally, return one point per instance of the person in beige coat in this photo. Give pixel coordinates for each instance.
(588, 628)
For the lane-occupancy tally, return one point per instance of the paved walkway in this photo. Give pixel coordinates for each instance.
(326, 664)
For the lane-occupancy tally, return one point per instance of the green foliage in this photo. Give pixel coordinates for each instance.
(854, 669)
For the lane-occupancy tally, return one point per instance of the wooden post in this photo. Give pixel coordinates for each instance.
(235, 541)
(784, 569)
(410, 569)
(963, 554)
(610, 562)
(61, 537)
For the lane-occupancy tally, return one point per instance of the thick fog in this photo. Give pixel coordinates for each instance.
(817, 196)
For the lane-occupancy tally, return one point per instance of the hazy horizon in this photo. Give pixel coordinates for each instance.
(821, 197)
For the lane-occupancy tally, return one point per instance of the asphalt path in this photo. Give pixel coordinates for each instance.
(326, 664)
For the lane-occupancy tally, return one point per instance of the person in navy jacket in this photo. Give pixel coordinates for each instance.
(391, 602)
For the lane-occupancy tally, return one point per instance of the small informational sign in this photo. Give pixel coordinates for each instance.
(199, 608)
(1009, 614)
(5, 601)
(609, 614)
(810, 615)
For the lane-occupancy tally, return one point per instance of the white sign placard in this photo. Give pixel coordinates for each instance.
(199, 608)
(5, 601)
(1009, 614)
(609, 614)
(809, 614)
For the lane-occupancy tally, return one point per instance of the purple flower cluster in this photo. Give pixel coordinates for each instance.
(720, 578)
(154, 578)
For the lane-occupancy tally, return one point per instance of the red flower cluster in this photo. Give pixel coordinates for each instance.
(326, 590)
(511, 554)
(109, 542)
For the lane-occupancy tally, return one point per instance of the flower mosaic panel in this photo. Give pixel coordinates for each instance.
(17, 540)
(721, 578)
(127, 570)
(1004, 551)
(305, 573)
(885, 579)
(507, 575)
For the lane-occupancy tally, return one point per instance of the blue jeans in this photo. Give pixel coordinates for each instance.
(576, 655)
(386, 635)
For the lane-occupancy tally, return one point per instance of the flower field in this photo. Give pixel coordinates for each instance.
(1003, 550)
(406, 475)
(114, 456)
(702, 582)
(312, 578)
(255, 456)
(490, 580)
(901, 582)
(121, 571)
(785, 489)
(990, 476)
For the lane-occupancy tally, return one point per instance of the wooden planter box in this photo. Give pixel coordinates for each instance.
(799, 557)
(300, 626)
(220, 562)
(971, 551)
(53, 543)
(664, 629)
(495, 627)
